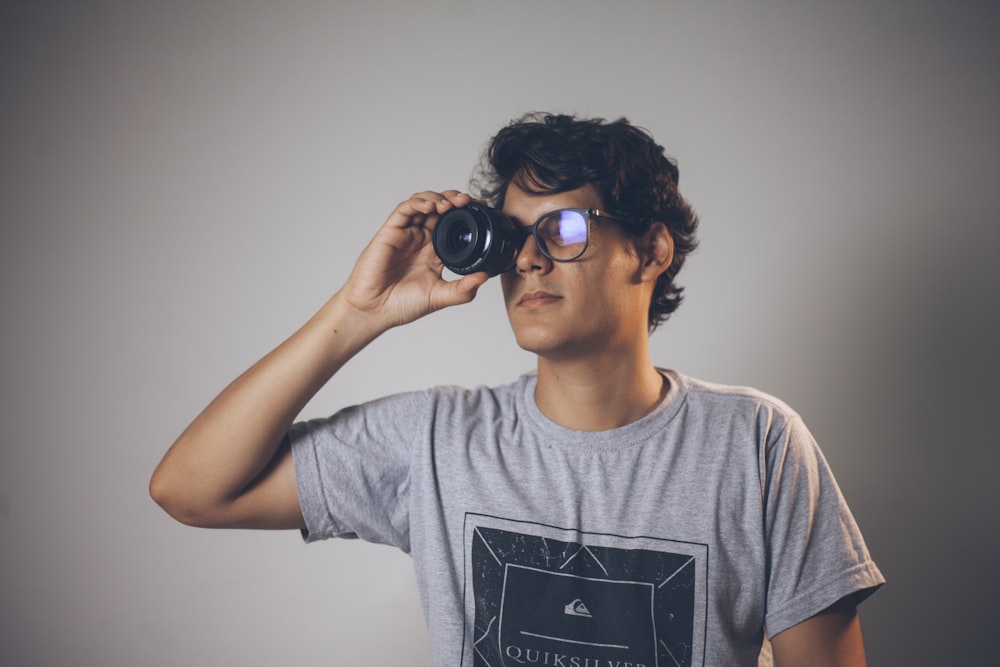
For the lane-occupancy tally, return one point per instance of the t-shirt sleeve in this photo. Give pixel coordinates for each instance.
(352, 469)
(816, 554)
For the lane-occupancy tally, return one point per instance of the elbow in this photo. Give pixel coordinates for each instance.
(176, 499)
(161, 492)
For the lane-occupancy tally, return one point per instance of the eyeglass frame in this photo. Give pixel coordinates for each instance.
(532, 230)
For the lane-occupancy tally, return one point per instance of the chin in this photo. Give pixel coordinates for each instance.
(547, 344)
(531, 339)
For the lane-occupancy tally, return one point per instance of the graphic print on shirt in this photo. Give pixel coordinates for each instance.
(542, 595)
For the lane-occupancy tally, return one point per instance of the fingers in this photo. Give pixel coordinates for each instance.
(445, 200)
(424, 207)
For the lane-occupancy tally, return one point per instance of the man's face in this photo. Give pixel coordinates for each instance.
(593, 305)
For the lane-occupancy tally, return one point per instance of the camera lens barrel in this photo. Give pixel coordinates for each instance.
(476, 238)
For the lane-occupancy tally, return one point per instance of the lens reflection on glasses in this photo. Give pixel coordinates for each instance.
(562, 235)
(572, 228)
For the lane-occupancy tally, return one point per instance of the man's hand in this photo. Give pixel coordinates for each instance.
(398, 279)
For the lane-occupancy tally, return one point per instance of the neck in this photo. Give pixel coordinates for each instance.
(599, 394)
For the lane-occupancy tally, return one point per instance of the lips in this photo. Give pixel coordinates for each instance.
(537, 298)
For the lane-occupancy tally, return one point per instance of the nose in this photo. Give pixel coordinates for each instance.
(530, 258)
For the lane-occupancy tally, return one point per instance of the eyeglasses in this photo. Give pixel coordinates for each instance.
(563, 235)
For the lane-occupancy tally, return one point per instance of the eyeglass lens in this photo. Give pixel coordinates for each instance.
(563, 233)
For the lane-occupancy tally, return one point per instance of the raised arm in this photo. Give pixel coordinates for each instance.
(228, 468)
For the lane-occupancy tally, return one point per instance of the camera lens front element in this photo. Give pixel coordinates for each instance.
(476, 238)
(460, 237)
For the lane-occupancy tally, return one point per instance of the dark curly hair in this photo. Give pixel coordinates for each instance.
(546, 154)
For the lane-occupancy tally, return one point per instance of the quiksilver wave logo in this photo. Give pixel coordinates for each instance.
(577, 608)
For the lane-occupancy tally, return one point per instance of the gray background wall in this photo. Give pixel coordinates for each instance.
(183, 184)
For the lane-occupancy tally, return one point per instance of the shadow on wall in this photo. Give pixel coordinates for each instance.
(923, 349)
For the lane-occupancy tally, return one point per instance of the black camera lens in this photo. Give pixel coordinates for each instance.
(476, 238)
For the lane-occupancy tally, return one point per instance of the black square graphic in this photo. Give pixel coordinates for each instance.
(613, 620)
(551, 596)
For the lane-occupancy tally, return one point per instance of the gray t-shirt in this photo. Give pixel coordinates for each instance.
(673, 540)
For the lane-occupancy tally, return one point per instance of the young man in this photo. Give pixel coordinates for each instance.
(599, 511)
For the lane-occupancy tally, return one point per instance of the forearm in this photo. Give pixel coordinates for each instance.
(237, 436)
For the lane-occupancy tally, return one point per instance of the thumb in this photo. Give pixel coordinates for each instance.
(462, 290)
